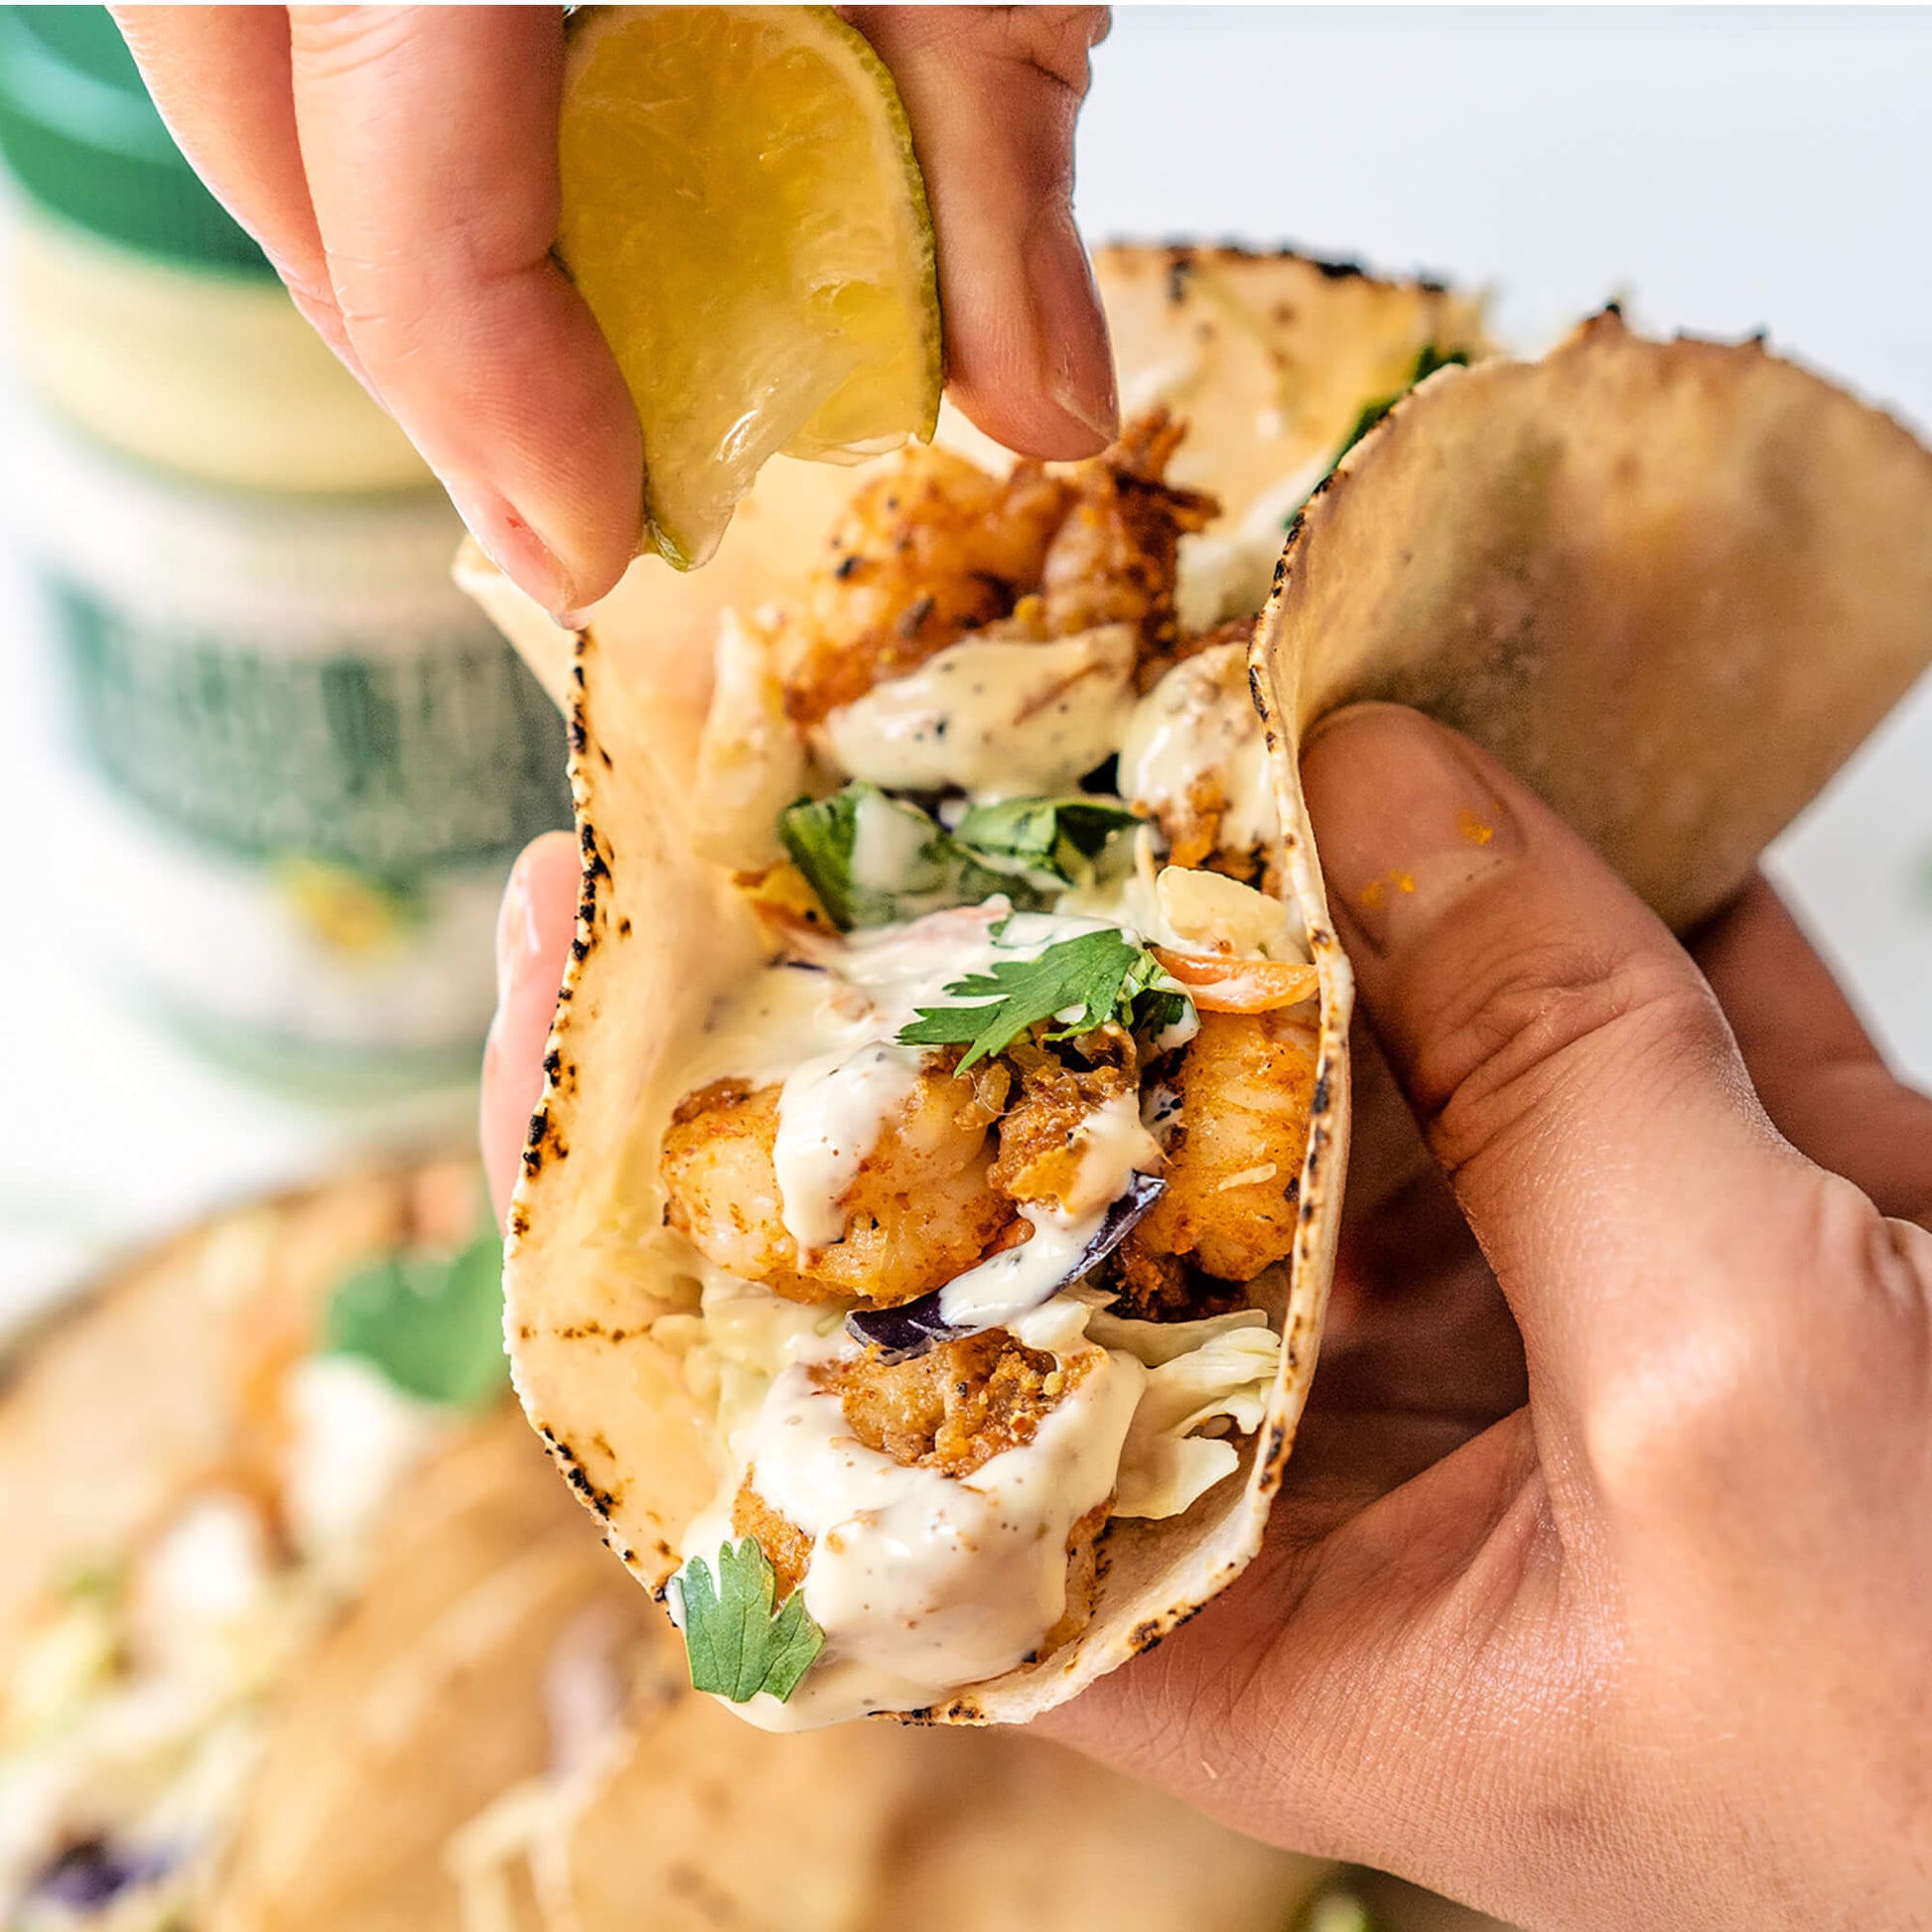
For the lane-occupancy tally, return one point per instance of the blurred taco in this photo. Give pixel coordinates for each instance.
(264, 1672)
(921, 1246)
(201, 1464)
(924, 1239)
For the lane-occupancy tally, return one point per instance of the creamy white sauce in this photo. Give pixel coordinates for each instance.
(1197, 729)
(887, 842)
(780, 1018)
(830, 1113)
(920, 1581)
(1008, 1284)
(996, 717)
(1113, 1145)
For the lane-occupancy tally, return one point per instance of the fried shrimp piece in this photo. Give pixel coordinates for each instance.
(1112, 560)
(919, 1212)
(1195, 761)
(1246, 1084)
(782, 1541)
(954, 1408)
(936, 550)
(1042, 1136)
(929, 551)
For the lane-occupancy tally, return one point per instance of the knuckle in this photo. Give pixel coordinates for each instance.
(1045, 40)
(1051, 40)
(1562, 1015)
(1821, 1326)
(1673, 1427)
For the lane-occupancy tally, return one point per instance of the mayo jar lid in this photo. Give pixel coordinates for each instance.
(82, 136)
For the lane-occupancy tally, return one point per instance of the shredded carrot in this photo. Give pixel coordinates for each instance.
(1218, 983)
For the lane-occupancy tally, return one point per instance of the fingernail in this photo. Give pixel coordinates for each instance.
(1073, 324)
(1407, 820)
(517, 944)
(511, 544)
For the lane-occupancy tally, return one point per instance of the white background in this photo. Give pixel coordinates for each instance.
(1720, 169)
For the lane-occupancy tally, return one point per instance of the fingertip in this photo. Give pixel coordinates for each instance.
(534, 929)
(1029, 425)
(1034, 368)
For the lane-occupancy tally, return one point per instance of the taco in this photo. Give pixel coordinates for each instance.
(416, 1693)
(946, 1078)
(200, 1477)
(924, 1239)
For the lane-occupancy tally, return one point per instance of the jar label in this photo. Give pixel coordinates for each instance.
(391, 760)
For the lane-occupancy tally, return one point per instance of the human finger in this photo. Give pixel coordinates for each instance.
(221, 77)
(1569, 1066)
(993, 94)
(1821, 1079)
(429, 138)
(534, 929)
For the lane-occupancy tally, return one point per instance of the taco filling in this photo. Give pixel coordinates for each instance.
(989, 1173)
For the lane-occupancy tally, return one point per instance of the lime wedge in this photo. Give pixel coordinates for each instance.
(744, 213)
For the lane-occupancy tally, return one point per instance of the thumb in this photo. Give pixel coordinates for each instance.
(993, 94)
(1570, 1068)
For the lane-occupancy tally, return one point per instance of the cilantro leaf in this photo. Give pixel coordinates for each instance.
(1064, 838)
(826, 838)
(434, 1325)
(872, 859)
(1096, 977)
(1428, 362)
(736, 1645)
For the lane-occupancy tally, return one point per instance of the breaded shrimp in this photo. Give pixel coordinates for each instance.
(919, 1212)
(1194, 760)
(1245, 1082)
(936, 550)
(952, 1408)
(1112, 559)
(926, 553)
(785, 1545)
(957, 1406)
(1041, 1147)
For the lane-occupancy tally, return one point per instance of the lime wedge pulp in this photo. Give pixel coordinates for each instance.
(744, 213)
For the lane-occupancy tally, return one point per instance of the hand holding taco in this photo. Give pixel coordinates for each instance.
(1609, 1498)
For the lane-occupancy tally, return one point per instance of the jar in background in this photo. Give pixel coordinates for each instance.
(303, 760)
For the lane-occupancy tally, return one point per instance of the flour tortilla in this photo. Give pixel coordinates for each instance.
(1275, 355)
(1671, 585)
